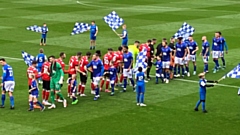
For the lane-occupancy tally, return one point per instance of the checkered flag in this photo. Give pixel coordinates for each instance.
(141, 60)
(235, 73)
(113, 20)
(34, 28)
(28, 59)
(185, 31)
(80, 28)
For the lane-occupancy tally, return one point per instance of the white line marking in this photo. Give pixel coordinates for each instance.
(223, 85)
(11, 58)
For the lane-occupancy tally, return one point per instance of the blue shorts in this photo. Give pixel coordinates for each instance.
(202, 96)
(92, 37)
(39, 67)
(140, 88)
(112, 78)
(44, 35)
(124, 42)
(73, 90)
(34, 93)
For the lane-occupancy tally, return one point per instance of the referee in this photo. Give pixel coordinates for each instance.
(159, 47)
(151, 57)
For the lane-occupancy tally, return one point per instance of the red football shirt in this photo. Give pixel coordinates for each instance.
(117, 58)
(142, 46)
(107, 58)
(31, 70)
(60, 61)
(73, 62)
(82, 63)
(46, 67)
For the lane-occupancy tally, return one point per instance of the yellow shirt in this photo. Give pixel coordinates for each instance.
(134, 50)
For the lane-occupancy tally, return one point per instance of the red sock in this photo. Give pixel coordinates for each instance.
(92, 86)
(69, 88)
(83, 88)
(43, 94)
(57, 97)
(107, 84)
(121, 78)
(102, 83)
(47, 95)
(79, 88)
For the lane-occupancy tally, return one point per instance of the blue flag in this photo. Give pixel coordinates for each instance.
(34, 28)
(28, 59)
(185, 31)
(141, 60)
(235, 73)
(80, 28)
(113, 20)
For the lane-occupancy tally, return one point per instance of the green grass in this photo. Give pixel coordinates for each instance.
(170, 106)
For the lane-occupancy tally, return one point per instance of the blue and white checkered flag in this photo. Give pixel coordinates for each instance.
(34, 28)
(80, 28)
(113, 20)
(235, 73)
(28, 59)
(141, 60)
(185, 31)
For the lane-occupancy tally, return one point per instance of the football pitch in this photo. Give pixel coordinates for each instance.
(170, 106)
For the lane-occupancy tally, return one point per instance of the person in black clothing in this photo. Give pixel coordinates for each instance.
(172, 46)
(151, 57)
(159, 47)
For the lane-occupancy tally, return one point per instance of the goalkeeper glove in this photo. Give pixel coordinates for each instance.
(61, 80)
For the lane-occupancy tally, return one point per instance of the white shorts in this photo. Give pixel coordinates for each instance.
(96, 80)
(128, 74)
(205, 60)
(165, 64)
(193, 58)
(9, 86)
(216, 54)
(222, 54)
(159, 75)
(178, 61)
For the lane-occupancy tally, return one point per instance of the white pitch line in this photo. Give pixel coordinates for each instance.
(11, 58)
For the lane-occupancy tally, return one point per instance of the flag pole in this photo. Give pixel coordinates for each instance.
(116, 33)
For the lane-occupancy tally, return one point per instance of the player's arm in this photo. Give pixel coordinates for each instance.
(171, 53)
(225, 46)
(131, 63)
(207, 49)
(61, 72)
(212, 44)
(102, 69)
(88, 66)
(4, 75)
(186, 51)
(124, 34)
(196, 48)
(96, 31)
(206, 85)
(64, 70)
(212, 81)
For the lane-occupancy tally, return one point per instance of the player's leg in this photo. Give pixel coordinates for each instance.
(52, 93)
(186, 65)
(112, 85)
(44, 39)
(74, 97)
(92, 84)
(107, 82)
(80, 85)
(3, 96)
(193, 59)
(41, 42)
(47, 92)
(125, 77)
(44, 91)
(9, 86)
(31, 106)
(149, 68)
(94, 42)
(223, 60)
(103, 80)
(69, 86)
(142, 95)
(84, 82)
(130, 76)
(138, 95)
(96, 82)
(157, 77)
(215, 56)
(203, 99)
(35, 98)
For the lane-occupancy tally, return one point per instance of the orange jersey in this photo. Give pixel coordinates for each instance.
(172, 61)
(31, 70)
(73, 62)
(142, 46)
(46, 68)
(82, 63)
(107, 58)
(60, 61)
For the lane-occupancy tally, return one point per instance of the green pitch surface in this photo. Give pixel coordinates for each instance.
(170, 106)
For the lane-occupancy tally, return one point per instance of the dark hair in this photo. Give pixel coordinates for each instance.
(79, 53)
(2, 59)
(44, 23)
(61, 54)
(88, 53)
(126, 47)
(140, 69)
(164, 39)
(137, 42)
(41, 50)
(220, 33)
(98, 52)
(51, 56)
(190, 36)
(149, 40)
(120, 48)
(34, 62)
(180, 38)
(93, 21)
(154, 39)
(110, 49)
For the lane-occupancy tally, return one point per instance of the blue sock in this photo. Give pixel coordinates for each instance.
(40, 104)
(198, 103)
(156, 79)
(96, 91)
(175, 70)
(182, 70)
(168, 75)
(90, 47)
(142, 98)
(73, 98)
(187, 68)
(178, 69)
(31, 105)
(112, 85)
(93, 47)
(195, 68)
(207, 66)
(3, 99)
(203, 106)
(125, 83)
(12, 101)
(164, 74)
(223, 61)
(138, 97)
(132, 81)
